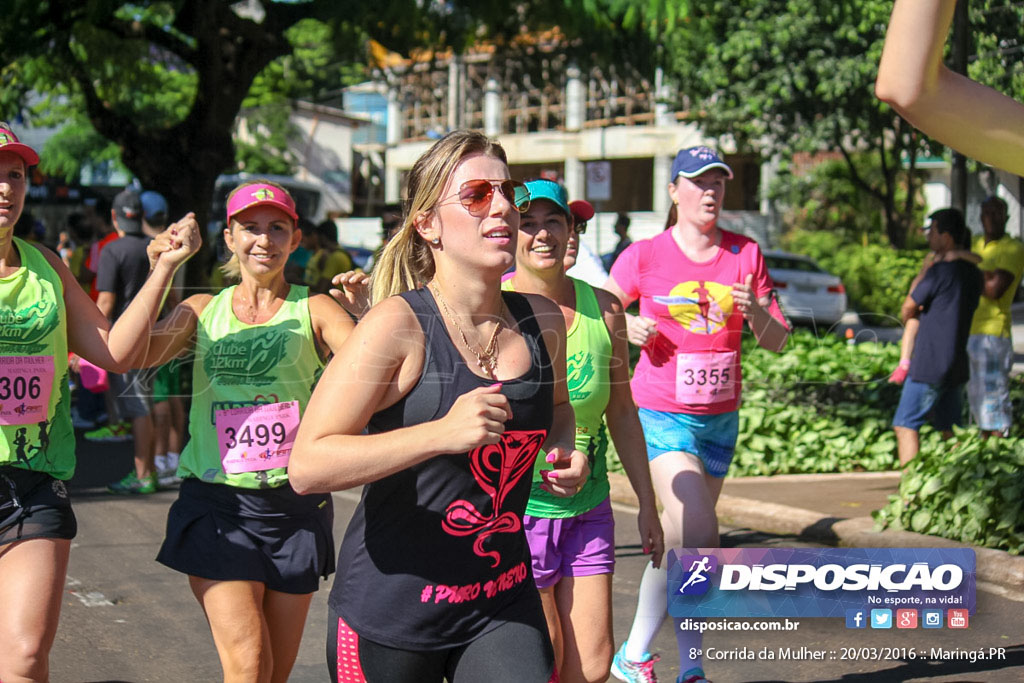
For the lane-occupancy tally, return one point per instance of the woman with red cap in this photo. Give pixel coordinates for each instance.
(253, 549)
(44, 314)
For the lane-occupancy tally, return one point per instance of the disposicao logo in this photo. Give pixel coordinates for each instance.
(807, 582)
(697, 581)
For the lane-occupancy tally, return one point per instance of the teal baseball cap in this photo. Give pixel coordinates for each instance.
(545, 189)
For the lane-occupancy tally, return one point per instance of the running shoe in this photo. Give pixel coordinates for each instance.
(131, 485)
(167, 477)
(634, 672)
(694, 675)
(110, 433)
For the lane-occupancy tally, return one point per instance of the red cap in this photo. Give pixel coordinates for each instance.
(582, 210)
(9, 143)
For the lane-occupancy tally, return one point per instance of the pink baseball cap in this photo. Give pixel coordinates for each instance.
(260, 194)
(9, 143)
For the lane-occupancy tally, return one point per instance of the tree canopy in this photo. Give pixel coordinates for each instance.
(798, 76)
(163, 81)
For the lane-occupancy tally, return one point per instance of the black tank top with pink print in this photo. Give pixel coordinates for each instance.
(435, 555)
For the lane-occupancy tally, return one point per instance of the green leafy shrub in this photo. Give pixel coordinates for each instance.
(820, 406)
(877, 277)
(971, 491)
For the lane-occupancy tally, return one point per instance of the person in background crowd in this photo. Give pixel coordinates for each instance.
(253, 549)
(168, 406)
(572, 540)
(298, 260)
(80, 237)
(438, 406)
(622, 222)
(581, 262)
(945, 300)
(697, 285)
(97, 212)
(910, 326)
(124, 266)
(969, 117)
(990, 346)
(40, 301)
(328, 260)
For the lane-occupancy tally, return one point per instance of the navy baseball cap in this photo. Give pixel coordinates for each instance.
(693, 161)
(154, 208)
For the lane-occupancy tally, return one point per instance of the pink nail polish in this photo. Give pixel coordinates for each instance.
(551, 457)
(553, 475)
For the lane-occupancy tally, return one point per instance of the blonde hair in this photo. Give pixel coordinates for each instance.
(406, 262)
(230, 268)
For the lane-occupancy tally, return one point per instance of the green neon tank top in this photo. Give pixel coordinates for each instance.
(588, 355)
(239, 365)
(33, 324)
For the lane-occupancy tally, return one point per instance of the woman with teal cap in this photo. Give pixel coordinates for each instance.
(572, 540)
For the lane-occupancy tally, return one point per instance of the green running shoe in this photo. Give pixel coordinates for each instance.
(131, 485)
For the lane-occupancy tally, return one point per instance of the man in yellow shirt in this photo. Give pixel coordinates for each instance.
(990, 347)
(328, 260)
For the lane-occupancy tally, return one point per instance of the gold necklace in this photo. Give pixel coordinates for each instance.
(486, 358)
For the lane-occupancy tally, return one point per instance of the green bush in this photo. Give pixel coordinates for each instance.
(877, 277)
(971, 491)
(821, 405)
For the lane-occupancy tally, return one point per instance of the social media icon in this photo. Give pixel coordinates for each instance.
(881, 618)
(931, 618)
(856, 618)
(956, 618)
(906, 618)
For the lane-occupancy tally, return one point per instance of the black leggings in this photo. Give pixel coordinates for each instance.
(511, 653)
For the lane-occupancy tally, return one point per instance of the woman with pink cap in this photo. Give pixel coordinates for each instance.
(253, 549)
(44, 314)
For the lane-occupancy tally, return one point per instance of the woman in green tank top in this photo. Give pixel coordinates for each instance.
(253, 549)
(572, 539)
(44, 314)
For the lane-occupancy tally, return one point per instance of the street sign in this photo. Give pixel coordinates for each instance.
(599, 181)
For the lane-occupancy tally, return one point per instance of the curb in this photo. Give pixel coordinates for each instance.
(993, 566)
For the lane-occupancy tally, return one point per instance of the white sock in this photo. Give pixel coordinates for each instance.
(687, 641)
(172, 461)
(160, 462)
(651, 609)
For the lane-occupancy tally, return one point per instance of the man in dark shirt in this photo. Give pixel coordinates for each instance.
(123, 268)
(944, 301)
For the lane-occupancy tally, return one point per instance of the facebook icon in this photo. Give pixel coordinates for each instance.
(856, 618)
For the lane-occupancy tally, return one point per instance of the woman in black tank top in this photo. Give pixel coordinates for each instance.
(457, 387)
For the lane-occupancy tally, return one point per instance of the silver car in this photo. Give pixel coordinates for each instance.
(807, 293)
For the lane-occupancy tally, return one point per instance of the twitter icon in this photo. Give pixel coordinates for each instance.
(881, 618)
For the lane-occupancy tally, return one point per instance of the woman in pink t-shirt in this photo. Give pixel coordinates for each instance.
(696, 284)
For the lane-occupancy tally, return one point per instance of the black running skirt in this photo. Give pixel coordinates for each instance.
(274, 536)
(34, 505)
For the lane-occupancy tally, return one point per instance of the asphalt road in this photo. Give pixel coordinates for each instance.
(127, 618)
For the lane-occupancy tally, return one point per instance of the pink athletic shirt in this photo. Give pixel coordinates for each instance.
(692, 365)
